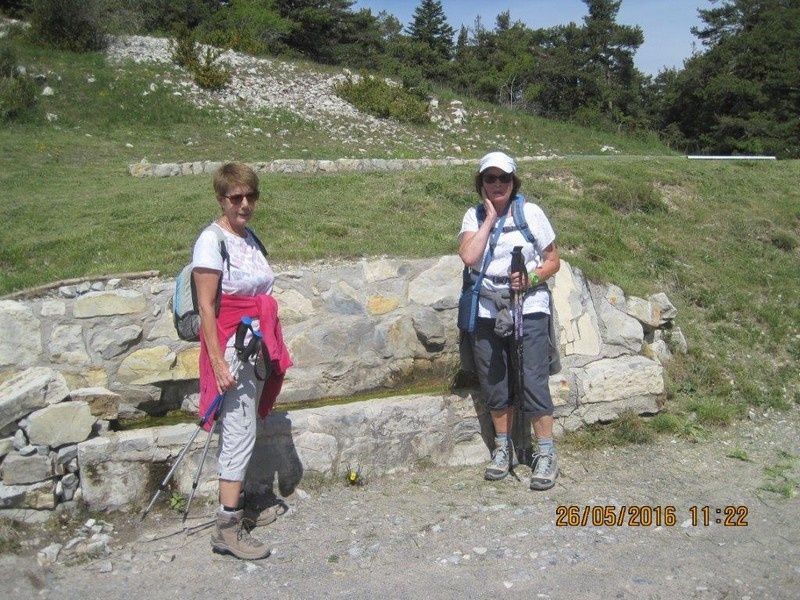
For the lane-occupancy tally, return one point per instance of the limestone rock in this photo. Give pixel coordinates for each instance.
(103, 403)
(114, 485)
(67, 345)
(611, 379)
(18, 469)
(663, 309)
(147, 365)
(113, 341)
(114, 302)
(53, 308)
(164, 327)
(28, 391)
(20, 334)
(380, 305)
(59, 424)
(577, 319)
(644, 312)
(293, 306)
(440, 282)
(37, 496)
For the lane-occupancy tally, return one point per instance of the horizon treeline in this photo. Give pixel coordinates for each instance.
(738, 94)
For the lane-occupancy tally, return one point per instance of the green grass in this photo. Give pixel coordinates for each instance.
(719, 238)
(782, 477)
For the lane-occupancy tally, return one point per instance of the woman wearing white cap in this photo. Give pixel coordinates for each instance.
(489, 233)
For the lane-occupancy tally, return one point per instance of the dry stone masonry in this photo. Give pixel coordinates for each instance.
(81, 359)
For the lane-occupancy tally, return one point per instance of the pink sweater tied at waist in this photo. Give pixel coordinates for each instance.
(231, 310)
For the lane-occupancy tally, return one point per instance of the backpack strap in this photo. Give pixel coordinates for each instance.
(477, 280)
(226, 261)
(518, 210)
(258, 242)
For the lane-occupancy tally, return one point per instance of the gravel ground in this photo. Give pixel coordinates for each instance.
(445, 533)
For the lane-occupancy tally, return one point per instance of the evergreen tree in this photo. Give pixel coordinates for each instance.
(429, 27)
(743, 94)
(317, 25)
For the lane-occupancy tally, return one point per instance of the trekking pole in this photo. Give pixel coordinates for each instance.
(212, 410)
(243, 355)
(518, 427)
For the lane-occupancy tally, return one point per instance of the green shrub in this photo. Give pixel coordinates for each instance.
(17, 91)
(75, 25)
(376, 97)
(184, 48)
(208, 75)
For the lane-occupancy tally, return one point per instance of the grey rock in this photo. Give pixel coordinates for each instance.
(28, 391)
(67, 345)
(49, 554)
(59, 424)
(83, 287)
(113, 342)
(20, 335)
(68, 291)
(6, 446)
(103, 403)
(19, 469)
(53, 308)
(113, 302)
(20, 439)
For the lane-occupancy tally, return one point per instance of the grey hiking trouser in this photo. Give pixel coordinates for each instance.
(493, 361)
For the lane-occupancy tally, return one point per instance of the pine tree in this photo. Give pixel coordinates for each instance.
(743, 94)
(429, 27)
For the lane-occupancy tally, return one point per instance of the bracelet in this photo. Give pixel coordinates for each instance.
(533, 280)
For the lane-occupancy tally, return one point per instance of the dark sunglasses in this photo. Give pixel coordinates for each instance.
(490, 179)
(237, 198)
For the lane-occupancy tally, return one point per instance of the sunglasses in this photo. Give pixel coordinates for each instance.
(237, 198)
(490, 179)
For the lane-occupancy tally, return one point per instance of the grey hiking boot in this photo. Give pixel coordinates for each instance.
(231, 537)
(544, 471)
(501, 462)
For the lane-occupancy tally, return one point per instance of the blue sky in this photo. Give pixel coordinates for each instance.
(665, 23)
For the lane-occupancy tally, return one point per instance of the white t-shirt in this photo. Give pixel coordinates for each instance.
(250, 273)
(500, 266)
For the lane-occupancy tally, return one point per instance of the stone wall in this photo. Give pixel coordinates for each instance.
(299, 165)
(77, 360)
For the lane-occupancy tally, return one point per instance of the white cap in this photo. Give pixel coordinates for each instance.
(501, 160)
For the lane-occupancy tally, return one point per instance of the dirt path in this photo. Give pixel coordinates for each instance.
(438, 533)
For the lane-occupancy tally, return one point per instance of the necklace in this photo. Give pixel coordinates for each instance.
(223, 222)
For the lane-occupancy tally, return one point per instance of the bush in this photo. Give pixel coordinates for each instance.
(17, 91)
(184, 48)
(208, 75)
(186, 53)
(376, 97)
(74, 25)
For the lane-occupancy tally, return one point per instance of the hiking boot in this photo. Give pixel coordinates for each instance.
(500, 463)
(261, 510)
(231, 537)
(544, 471)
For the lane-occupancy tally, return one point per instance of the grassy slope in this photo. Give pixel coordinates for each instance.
(726, 251)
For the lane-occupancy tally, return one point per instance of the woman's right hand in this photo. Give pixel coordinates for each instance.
(222, 374)
(491, 211)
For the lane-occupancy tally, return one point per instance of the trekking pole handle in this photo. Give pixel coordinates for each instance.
(518, 262)
(241, 331)
(252, 347)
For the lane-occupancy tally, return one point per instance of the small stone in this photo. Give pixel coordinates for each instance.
(47, 91)
(508, 585)
(480, 550)
(68, 291)
(166, 558)
(83, 288)
(97, 286)
(48, 555)
(105, 566)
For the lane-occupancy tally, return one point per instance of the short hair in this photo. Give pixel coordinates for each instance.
(517, 183)
(232, 174)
